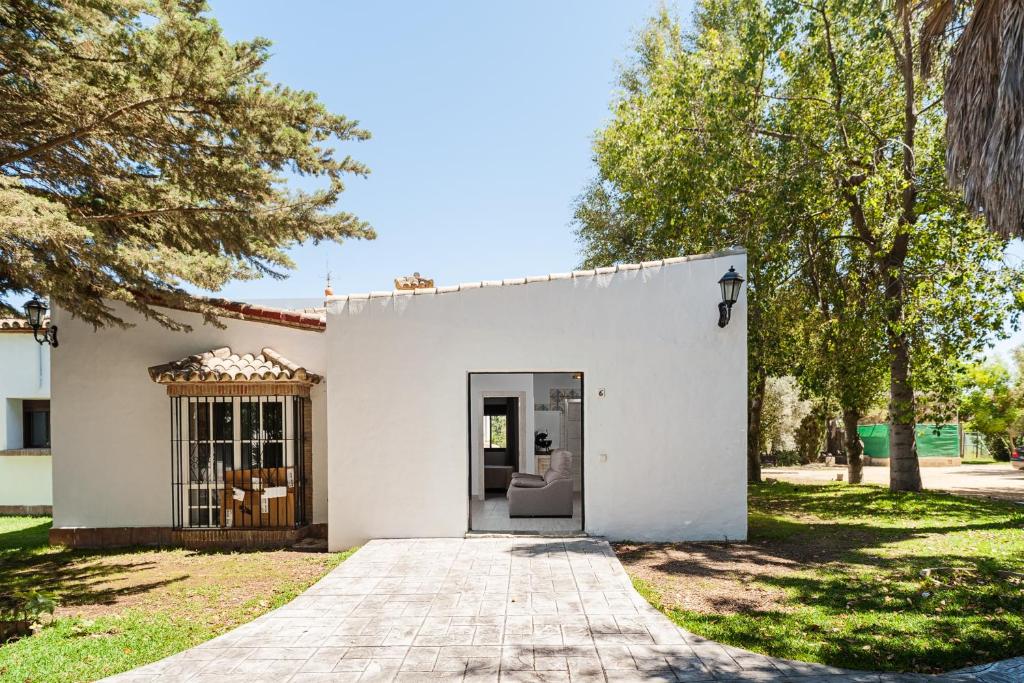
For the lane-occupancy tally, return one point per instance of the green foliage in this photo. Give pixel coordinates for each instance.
(810, 437)
(26, 605)
(993, 403)
(140, 151)
(804, 133)
(497, 427)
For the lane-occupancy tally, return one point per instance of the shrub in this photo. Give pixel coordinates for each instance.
(20, 610)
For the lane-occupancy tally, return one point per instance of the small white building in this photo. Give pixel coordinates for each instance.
(24, 420)
(604, 402)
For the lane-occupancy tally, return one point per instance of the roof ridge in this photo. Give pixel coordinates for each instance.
(530, 279)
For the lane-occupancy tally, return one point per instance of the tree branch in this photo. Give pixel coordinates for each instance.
(79, 132)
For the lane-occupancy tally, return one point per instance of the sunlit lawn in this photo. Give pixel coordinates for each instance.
(121, 609)
(852, 576)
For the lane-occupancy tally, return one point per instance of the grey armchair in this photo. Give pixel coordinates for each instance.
(547, 495)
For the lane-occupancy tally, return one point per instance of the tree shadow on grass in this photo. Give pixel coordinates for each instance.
(851, 596)
(76, 577)
(32, 536)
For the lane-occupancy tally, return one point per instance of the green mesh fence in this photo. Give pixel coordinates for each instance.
(933, 441)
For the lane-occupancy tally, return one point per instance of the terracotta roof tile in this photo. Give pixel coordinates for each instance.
(221, 365)
(314, 319)
(18, 324)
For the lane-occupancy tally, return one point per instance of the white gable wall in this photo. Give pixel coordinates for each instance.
(664, 448)
(111, 434)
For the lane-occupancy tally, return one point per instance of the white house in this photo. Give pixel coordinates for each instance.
(24, 420)
(605, 402)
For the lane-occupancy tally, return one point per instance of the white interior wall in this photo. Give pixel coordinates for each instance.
(111, 422)
(664, 408)
(549, 422)
(543, 383)
(482, 386)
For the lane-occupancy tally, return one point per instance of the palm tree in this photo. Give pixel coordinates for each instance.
(984, 102)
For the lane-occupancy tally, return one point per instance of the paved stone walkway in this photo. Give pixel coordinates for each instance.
(486, 609)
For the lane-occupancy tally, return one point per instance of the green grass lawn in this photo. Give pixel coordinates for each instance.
(852, 576)
(120, 609)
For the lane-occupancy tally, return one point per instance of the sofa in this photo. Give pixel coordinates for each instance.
(547, 495)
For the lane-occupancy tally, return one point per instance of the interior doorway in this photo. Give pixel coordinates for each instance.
(526, 452)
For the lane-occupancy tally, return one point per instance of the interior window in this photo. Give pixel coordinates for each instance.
(495, 431)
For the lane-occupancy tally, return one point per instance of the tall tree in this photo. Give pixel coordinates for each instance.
(845, 351)
(804, 132)
(873, 129)
(674, 178)
(140, 150)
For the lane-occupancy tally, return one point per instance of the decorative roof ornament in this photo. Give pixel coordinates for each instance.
(414, 281)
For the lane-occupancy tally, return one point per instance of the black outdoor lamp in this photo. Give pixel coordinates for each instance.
(731, 284)
(34, 311)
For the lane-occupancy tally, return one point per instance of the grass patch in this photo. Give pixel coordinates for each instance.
(978, 461)
(123, 608)
(852, 576)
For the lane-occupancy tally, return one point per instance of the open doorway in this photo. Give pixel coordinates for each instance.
(526, 452)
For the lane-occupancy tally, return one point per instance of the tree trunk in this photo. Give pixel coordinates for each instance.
(834, 438)
(904, 470)
(754, 407)
(854, 447)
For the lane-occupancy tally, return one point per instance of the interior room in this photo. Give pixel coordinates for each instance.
(526, 452)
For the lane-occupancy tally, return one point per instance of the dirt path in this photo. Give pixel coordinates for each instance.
(999, 481)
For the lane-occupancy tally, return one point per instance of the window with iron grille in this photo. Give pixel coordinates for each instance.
(237, 461)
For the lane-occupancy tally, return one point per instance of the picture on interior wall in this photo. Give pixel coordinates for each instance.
(559, 396)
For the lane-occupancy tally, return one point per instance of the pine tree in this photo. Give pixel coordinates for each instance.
(141, 151)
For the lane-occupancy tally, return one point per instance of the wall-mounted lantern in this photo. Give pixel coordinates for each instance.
(731, 284)
(35, 311)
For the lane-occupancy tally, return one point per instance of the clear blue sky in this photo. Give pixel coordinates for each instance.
(482, 115)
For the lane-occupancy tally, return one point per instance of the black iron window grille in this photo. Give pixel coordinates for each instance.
(238, 462)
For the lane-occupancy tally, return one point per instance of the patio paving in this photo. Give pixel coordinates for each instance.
(487, 609)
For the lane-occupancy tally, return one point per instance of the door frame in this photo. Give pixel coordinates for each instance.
(506, 393)
(521, 395)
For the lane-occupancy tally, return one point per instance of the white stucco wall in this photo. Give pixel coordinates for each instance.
(664, 447)
(24, 374)
(111, 422)
(25, 480)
